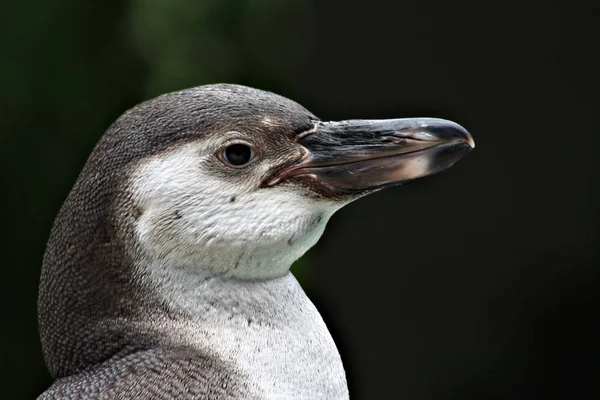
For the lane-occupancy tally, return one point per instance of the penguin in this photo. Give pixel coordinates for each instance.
(166, 274)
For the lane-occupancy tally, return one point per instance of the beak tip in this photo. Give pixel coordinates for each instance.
(470, 141)
(444, 129)
(463, 134)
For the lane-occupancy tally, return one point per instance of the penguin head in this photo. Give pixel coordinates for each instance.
(219, 181)
(209, 201)
(244, 181)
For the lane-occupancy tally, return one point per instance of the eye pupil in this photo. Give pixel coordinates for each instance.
(238, 154)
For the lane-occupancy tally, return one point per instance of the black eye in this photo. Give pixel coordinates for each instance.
(238, 154)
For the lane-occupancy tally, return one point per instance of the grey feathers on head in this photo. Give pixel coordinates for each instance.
(167, 270)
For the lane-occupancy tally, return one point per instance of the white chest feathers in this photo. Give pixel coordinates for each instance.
(269, 331)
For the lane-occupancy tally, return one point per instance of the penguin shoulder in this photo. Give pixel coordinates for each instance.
(156, 373)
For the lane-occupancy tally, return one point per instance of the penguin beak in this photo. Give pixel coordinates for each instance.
(361, 155)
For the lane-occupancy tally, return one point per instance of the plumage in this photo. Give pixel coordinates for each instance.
(167, 270)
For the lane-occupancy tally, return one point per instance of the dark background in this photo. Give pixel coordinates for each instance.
(478, 283)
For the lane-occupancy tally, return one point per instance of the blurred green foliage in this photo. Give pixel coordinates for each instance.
(219, 40)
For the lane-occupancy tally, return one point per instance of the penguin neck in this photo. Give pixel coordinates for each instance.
(222, 300)
(267, 330)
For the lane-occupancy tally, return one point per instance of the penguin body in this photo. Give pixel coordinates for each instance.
(167, 271)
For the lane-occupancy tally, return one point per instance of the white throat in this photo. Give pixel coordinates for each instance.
(219, 226)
